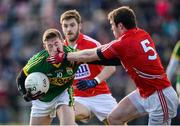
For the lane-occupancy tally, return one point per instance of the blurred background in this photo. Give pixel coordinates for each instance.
(22, 23)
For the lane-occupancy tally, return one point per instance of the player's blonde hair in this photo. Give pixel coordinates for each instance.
(71, 14)
(124, 15)
(51, 33)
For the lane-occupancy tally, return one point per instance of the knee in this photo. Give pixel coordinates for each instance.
(82, 117)
(112, 120)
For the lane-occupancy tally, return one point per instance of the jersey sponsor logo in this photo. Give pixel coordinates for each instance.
(82, 72)
(60, 81)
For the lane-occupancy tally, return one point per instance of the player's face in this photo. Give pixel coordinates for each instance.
(53, 45)
(71, 29)
(115, 29)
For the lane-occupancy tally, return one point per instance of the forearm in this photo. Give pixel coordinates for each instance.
(20, 82)
(106, 73)
(87, 55)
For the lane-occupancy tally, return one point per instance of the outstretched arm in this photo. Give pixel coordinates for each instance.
(90, 56)
(87, 55)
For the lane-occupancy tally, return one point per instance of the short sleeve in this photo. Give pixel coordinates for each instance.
(109, 50)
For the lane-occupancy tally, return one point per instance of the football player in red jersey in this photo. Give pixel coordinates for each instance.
(97, 99)
(136, 51)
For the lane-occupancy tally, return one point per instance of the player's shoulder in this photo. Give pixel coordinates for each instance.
(176, 50)
(177, 44)
(36, 60)
(40, 55)
(90, 41)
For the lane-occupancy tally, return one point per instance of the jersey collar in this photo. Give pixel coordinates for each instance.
(129, 31)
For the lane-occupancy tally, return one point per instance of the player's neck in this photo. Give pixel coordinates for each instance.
(72, 44)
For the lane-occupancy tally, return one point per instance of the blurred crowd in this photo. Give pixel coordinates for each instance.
(22, 23)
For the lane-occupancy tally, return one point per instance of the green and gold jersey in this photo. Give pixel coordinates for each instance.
(176, 51)
(60, 75)
(175, 65)
(176, 54)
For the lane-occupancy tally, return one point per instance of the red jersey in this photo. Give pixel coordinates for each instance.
(136, 51)
(88, 71)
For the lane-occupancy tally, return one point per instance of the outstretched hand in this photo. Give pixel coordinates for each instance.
(29, 97)
(57, 58)
(86, 84)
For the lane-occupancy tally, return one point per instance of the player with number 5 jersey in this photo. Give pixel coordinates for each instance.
(140, 60)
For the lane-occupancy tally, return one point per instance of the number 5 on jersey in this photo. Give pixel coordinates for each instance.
(146, 47)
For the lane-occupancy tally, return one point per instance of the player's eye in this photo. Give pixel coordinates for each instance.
(65, 26)
(50, 46)
(72, 25)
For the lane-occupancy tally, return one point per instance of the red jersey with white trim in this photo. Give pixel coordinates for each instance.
(136, 51)
(88, 71)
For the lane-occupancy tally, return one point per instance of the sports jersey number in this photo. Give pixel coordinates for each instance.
(147, 48)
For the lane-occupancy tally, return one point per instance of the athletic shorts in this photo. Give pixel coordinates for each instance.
(41, 109)
(161, 105)
(100, 105)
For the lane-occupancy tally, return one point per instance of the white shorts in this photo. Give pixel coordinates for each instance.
(41, 109)
(101, 105)
(161, 105)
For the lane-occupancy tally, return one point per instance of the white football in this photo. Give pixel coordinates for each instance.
(37, 81)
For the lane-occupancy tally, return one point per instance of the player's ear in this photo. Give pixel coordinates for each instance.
(80, 26)
(120, 25)
(44, 45)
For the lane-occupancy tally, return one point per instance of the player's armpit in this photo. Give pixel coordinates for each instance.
(104, 61)
(107, 62)
(20, 82)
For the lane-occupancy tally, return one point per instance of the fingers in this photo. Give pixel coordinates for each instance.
(81, 85)
(29, 96)
(37, 95)
(51, 60)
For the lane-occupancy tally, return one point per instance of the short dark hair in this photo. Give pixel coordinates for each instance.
(123, 15)
(51, 33)
(71, 14)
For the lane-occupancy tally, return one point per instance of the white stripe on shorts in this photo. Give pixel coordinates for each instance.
(163, 104)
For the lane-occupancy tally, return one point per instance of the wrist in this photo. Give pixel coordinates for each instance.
(98, 80)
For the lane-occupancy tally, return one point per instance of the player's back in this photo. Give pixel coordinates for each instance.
(140, 59)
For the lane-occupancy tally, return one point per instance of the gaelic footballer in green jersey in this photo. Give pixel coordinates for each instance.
(59, 98)
(60, 76)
